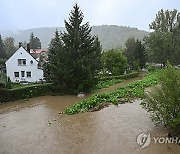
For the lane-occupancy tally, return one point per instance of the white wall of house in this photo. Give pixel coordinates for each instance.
(31, 65)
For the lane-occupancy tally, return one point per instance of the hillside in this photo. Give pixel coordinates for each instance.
(111, 36)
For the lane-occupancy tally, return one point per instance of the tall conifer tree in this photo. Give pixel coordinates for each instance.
(78, 55)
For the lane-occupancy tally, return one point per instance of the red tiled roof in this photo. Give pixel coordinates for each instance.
(38, 50)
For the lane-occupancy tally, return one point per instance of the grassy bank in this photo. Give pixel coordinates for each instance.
(107, 81)
(132, 90)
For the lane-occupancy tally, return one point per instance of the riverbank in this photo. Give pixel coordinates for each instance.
(121, 95)
(63, 100)
(20, 92)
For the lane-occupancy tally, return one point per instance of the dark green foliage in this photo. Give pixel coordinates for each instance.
(5, 95)
(53, 70)
(122, 77)
(8, 83)
(2, 49)
(25, 92)
(107, 83)
(135, 89)
(9, 46)
(35, 42)
(166, 21)
(160, 47)
(135, 53)
(74, 57)
(3, 80)
(114, 62)
(164, 102)
(130, 52)
(140, 54)
(163, 44)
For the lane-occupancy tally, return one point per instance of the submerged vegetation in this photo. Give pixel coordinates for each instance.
(107, 83)
(132, 90)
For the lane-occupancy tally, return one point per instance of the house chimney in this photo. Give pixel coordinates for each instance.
(20, 44)
(28, 47)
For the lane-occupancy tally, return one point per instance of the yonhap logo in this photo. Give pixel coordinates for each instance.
(144, 140)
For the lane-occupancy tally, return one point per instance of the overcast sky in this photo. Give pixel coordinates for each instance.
(26, 14)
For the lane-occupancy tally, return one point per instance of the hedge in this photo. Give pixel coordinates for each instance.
(25, 92)
(35, 90)
(125, 76)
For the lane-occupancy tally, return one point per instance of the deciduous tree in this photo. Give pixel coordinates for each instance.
(163, 43)
(9, 46)
(114, 61)
(2, 49)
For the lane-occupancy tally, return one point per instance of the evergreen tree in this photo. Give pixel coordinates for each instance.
(2, 49)
(135, 53)
(75, 55)
(129, 52)
(53, 69)
(140, 54)
(35, 42)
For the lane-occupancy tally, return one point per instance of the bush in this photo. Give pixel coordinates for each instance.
(107, 83)
(150, 68)
(122, 77)
(5, 95)
(25, 92)
(164, 102)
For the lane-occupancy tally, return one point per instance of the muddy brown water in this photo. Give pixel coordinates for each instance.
(35, 126)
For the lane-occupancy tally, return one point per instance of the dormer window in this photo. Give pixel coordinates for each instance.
(21, 61)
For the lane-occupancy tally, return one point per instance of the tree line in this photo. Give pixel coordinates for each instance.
(8, 47)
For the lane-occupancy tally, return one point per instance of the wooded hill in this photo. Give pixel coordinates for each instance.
(111, 36)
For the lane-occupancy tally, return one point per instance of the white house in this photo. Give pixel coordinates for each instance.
(21, 67)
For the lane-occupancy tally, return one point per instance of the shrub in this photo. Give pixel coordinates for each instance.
(5, 95)
(25, 92)
(123, 77)
(107, 83)
(164, 102)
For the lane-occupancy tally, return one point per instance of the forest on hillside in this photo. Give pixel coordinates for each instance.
(110, 36)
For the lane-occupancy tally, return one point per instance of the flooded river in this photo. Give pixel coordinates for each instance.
(35, 126)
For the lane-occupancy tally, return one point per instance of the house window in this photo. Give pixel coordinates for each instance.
(28, 74)
(16, 74)
(21, 61)
(22, 73)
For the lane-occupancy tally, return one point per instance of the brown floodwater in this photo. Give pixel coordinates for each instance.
(35, 126)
